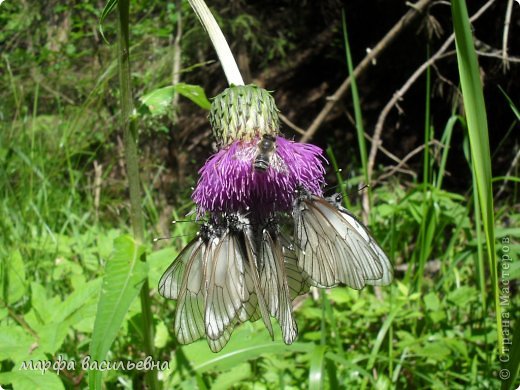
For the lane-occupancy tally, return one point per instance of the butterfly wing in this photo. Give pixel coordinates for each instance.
(254, 282)
(298, 281)
(225, 288)
(334, 247)
(274, 286)
(378, 267)
(189, 320)
(171, 281)
(315, 244)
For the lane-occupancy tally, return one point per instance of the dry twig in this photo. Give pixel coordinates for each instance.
(400, 93)
(505, 34)
(394, 32)
(514, 164)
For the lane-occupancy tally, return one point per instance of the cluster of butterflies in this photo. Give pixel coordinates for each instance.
(241, 268)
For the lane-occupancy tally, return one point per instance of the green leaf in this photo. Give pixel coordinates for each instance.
(228, 379)
(317, 369)
(475, 109)
(16, 282)
(31, 380)
(245, 344)
(512, 360)
(462, 296)
(432, 302)
(15, 343)
(124, 276)
(76, 302)
(109, 6)
(158, 101)
(161, 335)
(52, 336)
(42, 305)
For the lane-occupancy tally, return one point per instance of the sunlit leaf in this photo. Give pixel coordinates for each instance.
(124, 276)
(15, 343)
(158, 101)
(31, 380)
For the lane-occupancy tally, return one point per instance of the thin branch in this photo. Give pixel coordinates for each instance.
(394, 32)
(400, 93)
(505, 34)
(514, 164)
(291, 124)
(401, 163)
(385, 151)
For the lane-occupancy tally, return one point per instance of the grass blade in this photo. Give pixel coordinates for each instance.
(475, 109)
(356, 102)
(317, 368)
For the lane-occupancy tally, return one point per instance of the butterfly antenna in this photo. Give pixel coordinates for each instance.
(157, 239)
(196, 221)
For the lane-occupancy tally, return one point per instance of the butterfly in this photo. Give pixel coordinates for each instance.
(332, 247)
(231, 273)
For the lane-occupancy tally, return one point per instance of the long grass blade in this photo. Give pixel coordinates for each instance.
(475, 109)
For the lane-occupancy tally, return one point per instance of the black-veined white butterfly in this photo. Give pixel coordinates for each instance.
(333, 247)
(232, 272)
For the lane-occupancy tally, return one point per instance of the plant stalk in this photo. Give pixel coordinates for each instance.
(219, 42)
(128, 124)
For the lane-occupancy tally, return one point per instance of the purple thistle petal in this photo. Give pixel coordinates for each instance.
(229, 183)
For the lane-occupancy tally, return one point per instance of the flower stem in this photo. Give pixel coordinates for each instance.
(219, 42)
(128, 124)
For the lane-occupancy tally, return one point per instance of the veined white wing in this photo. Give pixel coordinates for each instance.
(233, 287)
(333, 247)
(225, 285)
(388, 273)
(274, 284)
(171, 281)
(298, 280)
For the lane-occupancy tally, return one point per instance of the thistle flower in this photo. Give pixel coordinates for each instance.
(240, 117)
(239, 268)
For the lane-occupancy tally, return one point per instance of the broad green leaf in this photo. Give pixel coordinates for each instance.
(31, 380)
(52, 336)
(341, 295)
(15, 343)
(432, 302)
(228, 379)
(161, 335)
(124, 276)
(158, 262)
(76, 302)
(41, 304)
(195, 93)
(15, 277)
(462, 296)
(158, 101)
(246, 343)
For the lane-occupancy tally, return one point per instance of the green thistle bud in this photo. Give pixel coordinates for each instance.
(243, 112)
